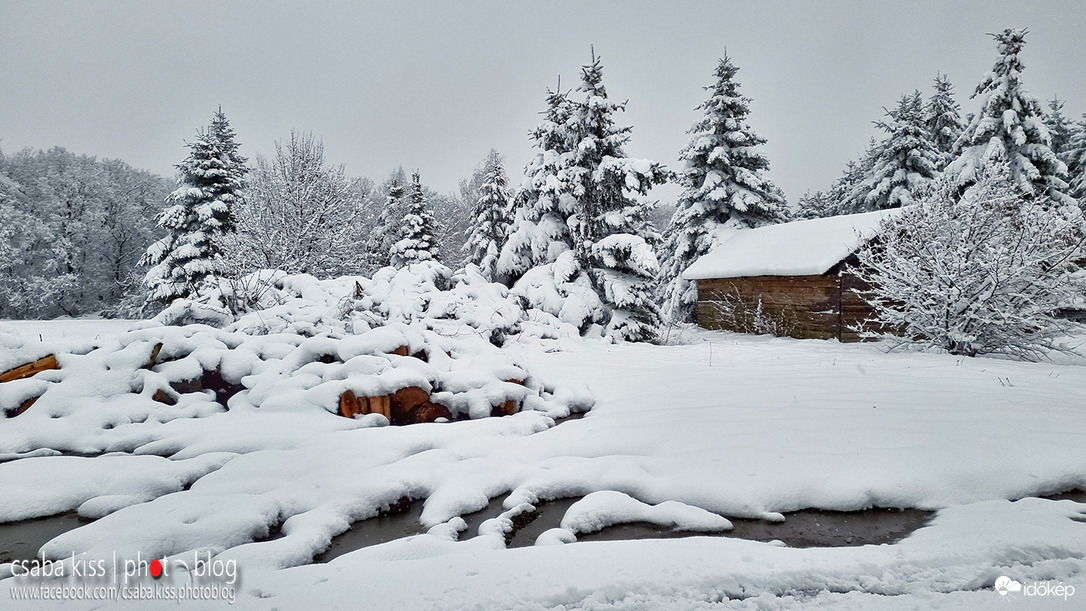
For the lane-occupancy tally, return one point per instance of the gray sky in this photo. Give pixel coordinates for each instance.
(435, 85)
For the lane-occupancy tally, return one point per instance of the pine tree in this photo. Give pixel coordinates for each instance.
(542, 206)
(905, 162)
(1010, 126)
(723, 183)
(943, 120)
(418, 230)
(1059, 128)
(492, 217)
(612, 239)
(200, 212)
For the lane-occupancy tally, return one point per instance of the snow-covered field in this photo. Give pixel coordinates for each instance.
(723, 426)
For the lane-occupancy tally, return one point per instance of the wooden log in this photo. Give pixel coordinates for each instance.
(380, 405)
(403, 401)
(348, 405)
(25, 405)
(402, 351)
(508, 408)
(429, 411)
(153, 360)
(25, 371)
(163, 397)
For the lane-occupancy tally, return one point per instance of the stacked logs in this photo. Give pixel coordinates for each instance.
(408, 405)
(405, 406)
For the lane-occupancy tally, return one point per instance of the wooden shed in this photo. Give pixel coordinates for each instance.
(790, 279)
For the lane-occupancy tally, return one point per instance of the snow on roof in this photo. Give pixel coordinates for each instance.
(800, 248)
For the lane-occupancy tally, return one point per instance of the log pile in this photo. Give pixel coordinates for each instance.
(425, 387)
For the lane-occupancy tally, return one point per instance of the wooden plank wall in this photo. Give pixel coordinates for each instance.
(795, 306)
(855, 310)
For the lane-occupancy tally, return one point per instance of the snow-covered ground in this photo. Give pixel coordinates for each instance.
(723, 426)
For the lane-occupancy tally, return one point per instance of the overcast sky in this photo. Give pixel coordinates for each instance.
(435, 85)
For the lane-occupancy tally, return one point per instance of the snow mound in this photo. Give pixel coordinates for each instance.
(606, 508)
(426, 294)
(422, 340)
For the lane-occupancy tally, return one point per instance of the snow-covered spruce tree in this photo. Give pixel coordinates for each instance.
(1074, 155)
(905, 162)
(723, 183)
(299, 215)
(492, 217)
(418, 230)
(386, 230)
(943, 120)
(1059, 128)
(981, 275)
(612, 240)
(838, 199)
(1010, 126)
(542, 205)
(200, 212)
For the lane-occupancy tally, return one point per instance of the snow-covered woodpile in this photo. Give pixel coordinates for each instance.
(791, 279)
(411, 345)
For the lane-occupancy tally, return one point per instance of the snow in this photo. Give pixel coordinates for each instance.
(604, 508)
(799, 248)
(767, 426)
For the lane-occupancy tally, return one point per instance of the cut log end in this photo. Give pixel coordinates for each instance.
(348, 405)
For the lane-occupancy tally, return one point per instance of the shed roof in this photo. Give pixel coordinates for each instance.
(799, 248)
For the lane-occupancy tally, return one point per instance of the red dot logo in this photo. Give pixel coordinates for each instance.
(156, 568)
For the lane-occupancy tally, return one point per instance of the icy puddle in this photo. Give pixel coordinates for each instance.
(398, 521)
(807, 528)
(22, 540)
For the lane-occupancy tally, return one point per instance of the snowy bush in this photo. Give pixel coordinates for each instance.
(982, 275)
(735, 313)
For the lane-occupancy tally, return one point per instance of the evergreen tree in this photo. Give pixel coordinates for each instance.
(1059, 128)
(612, 240)
(1010, 126)
(723, 183)
(1074, 154)
(385, 232)
(943, 120)
(418, 241)
(200, 212)
(492, 217)
(905, 162)
(543, 204)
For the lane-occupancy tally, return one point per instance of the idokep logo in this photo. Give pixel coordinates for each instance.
(1007, 587)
